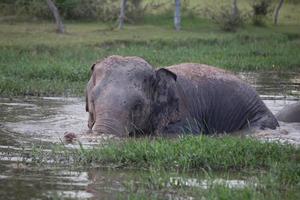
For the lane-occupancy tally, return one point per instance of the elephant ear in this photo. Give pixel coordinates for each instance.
(92, 67)
(88, 89)
(165, 106)
(92, 74)
(89, 107)
(164, 82)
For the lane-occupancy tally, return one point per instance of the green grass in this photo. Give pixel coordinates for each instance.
(184, 154)
(34, 60)
(195, 153)
(271, 170)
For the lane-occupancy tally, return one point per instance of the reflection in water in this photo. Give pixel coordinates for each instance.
(28, 182)
(205, 184)
(277, 89)
(273, 83)
(29, 121)
(43, 119)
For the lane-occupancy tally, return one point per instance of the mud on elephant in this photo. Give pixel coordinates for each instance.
(127, 96)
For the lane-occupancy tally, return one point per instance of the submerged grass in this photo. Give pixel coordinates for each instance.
(194, 153)
(270, 170)
(187, 153)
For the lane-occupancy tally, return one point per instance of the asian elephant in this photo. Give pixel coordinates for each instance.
(290, 113)
(126, 96)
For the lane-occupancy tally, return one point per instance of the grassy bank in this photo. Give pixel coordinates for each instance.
(36, 61)
(270, 170)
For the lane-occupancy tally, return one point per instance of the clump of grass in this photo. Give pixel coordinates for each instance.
(270, 169)
(187, 153)
(276, 166)
(184, 154)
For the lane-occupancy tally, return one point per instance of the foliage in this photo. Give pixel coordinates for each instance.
(225, 18)
(293, 1)
(35, 8)
(102, 10)
(260, 8)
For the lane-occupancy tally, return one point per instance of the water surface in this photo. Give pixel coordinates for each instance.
(25, 122)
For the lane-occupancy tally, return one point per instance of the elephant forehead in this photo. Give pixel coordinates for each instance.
(124, 62)
(123, 67)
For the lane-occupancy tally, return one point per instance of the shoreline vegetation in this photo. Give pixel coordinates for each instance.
(270, 169)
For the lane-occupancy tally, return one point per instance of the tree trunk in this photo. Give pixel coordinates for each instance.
(122, 14)
(58, 20)
(235, 10)
(277, 11)
(177, 17)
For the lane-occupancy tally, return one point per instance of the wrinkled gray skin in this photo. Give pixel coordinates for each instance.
(290, 113)
(126, 96)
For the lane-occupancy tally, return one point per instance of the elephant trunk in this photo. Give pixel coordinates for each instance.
(113, 122)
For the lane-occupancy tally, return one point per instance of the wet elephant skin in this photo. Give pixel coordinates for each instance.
(127, 96)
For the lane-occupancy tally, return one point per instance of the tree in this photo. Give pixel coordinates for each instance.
(277, 11)
(122, 13)
(235, 10)
(56, 15)
(177, 16)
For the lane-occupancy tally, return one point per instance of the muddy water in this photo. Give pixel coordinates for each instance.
(277, 89)
(25, 122)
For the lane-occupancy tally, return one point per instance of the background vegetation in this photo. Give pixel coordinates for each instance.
(35, 60)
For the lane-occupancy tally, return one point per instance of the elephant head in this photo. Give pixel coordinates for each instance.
(126, 96)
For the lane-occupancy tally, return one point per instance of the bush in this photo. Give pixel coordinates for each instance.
(261, 8)
(103, 10)
(293, 1)
(33, 8)
(6, 7)
(226, 20)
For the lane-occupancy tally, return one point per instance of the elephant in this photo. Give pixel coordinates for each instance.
(126, 96)
(290, 113)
